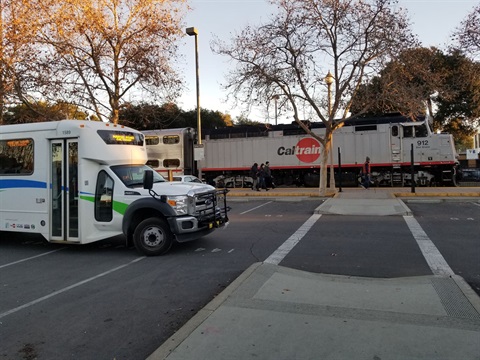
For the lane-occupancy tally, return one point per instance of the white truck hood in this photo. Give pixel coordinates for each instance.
(180, 188)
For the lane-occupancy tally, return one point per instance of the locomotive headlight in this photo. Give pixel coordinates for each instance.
(179, 204)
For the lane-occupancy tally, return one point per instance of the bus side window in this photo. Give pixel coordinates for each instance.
(16, 156)
(104, 197)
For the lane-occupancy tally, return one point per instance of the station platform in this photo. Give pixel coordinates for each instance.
(373, 192)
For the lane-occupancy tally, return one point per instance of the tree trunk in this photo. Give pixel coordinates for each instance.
(324, 163)
(332, 170)
(115, 116)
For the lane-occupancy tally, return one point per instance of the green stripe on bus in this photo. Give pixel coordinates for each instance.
(118, 206)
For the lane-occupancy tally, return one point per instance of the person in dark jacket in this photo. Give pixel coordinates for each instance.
(268, 177)
(366, 172)
(261, 178)
(254, 176)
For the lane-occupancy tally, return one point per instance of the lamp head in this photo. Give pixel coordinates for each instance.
(191, 31)
(329, 78)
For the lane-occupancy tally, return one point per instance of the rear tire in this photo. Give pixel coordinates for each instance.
(153, 237)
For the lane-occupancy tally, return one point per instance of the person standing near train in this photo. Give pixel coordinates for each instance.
(261, 178)
(366, 172)
(268, 177)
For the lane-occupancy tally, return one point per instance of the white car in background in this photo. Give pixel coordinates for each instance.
(239, 181)
(186, 178)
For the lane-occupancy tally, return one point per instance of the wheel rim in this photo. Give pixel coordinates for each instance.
(153, 237)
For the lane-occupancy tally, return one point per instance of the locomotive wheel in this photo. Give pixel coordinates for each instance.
(153, 237)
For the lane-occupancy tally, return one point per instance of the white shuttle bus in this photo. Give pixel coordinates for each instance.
(79, 181)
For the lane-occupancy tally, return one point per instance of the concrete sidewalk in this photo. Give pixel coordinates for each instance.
(272, 312)
(364, 202)
(386, 192)
(357, 201)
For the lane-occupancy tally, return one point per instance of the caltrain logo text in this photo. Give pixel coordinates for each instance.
(307, 150)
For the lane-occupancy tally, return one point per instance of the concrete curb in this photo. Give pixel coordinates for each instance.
(276, 194)
(407, 211)
(245, 194)
(437, 194)
(467, 290)
(176, 339)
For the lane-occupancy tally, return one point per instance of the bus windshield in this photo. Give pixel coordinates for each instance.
(132, 175)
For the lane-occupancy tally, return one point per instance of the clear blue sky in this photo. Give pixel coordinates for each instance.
(432, 20)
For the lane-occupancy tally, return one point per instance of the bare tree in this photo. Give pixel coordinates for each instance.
(292, 53)
(95, 52)
(468, 33)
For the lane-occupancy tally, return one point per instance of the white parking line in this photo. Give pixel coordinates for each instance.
(30, 258)
(255, 208)
(55, 293)
(293, 240)
(434, 259)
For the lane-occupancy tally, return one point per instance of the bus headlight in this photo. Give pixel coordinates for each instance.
(179, 204)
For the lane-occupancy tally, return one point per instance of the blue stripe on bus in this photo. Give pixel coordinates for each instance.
(16, 183)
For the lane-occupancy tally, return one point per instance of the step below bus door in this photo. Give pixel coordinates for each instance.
(64, 190)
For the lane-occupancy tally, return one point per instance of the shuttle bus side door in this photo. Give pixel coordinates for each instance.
(64, 190)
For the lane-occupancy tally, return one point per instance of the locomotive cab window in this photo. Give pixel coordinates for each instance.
(415, 131)
(421, 131)
(408, 131)
(395, 130)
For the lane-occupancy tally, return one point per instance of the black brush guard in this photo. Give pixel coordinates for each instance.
(211, 209)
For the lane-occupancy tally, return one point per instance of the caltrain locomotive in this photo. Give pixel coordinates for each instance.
(294, 156)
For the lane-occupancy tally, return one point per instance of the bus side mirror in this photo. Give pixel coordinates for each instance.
(148, 179)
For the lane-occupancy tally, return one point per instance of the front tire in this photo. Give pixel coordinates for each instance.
(153, 237)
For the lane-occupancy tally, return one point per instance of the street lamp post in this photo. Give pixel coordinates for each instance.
(275, 98)
(191, 31)
(329, 79)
